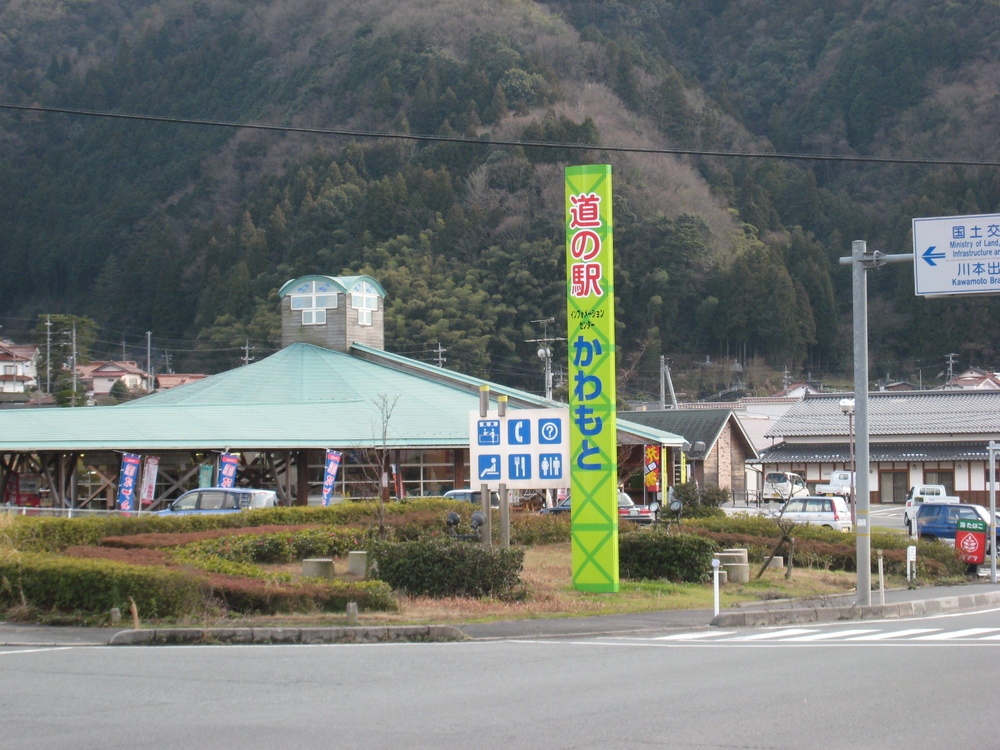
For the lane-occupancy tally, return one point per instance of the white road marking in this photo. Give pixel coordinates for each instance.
(952, 635)
(771, 635)
(895, 634)
(694, 636)
(829, 635)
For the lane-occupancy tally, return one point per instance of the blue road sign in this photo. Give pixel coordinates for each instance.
(956, 255)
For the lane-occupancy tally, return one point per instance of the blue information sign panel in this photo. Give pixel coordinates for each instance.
(525, 449)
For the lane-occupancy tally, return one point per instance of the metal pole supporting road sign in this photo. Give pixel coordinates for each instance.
(861, 261)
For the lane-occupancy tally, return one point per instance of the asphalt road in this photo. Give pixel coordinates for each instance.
(913, 684)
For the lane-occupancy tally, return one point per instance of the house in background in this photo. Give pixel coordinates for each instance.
(18, 367)
(171, 380)
(973, 379)
(719, 446)
(99, 377)
(915, 437)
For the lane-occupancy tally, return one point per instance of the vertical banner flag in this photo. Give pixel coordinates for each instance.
(228, 464)
(126, 481)
(590, 318)
(330, 475)
(652, 468)
(397, 481)
(149, 470)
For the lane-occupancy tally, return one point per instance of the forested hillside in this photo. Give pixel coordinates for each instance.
(187, 230)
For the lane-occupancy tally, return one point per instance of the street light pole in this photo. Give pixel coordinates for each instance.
(861, 260)
(847, 406)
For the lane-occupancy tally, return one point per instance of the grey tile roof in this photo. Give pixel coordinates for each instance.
(879, 452)
(944, 413)
(694, 425)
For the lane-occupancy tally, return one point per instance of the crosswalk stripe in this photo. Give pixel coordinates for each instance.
(895, 634)
(830, 635)
(956, 634)
(694, 636)
(776, 634)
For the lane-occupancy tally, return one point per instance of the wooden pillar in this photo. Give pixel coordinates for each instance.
(302, 477)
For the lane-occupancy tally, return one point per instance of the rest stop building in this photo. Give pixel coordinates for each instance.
(331, 386)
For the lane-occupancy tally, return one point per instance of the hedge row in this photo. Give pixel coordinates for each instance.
(87, 587)
(75, 585)
(655, 554)
(45, 534)
(282, 547)
(450, 568)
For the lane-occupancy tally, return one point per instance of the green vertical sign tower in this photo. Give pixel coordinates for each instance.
(590, 317)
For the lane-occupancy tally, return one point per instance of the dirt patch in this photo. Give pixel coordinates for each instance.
(116, 554)
(153, 541)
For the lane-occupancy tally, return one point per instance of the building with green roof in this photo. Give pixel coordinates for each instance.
(280, 415)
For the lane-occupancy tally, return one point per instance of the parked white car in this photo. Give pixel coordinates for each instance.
(924, 493)
(830, 511)
(782, 485)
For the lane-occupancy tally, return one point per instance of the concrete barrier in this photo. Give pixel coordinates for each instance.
(357, 563)
(317, 567)
(738, 572)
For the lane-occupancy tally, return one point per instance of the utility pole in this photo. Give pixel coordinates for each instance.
(48, 356)
(441, 359)
(545, 352)
(861, 261)
(149, 361)
(73, 364)
(951, 365)
(247, 359)
(665, 382)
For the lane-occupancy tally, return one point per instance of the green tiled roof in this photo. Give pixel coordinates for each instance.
(301, 397)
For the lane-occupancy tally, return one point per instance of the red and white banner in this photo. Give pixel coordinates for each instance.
(149, 470)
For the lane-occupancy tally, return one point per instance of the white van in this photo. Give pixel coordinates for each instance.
(782, 485)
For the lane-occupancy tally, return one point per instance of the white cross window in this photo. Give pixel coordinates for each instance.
(364, 299)
(314, 298)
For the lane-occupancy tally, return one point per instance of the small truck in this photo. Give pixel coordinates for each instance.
(782, 486)
(924, 493)
(838, 484)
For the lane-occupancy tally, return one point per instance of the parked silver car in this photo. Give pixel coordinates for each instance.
(830, 511)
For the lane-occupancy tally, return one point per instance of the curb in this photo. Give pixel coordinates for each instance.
(856, 611)
(253, 636)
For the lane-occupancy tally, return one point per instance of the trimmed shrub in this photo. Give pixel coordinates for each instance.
(44, 534)
(91, 586)
(450, 568)
(279, 547)
(653, 554)
(254, 596)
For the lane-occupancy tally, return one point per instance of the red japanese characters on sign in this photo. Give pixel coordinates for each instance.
(585, 246)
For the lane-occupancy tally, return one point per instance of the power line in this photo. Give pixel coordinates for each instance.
(504, 142)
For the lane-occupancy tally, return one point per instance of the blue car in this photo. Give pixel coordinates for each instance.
(220, 500)
(939, 521)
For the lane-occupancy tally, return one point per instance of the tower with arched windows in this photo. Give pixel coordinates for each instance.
(333, 312)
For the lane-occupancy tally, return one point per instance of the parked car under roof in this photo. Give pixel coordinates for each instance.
(220, 500)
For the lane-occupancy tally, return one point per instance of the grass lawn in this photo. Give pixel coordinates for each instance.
(547, 576)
